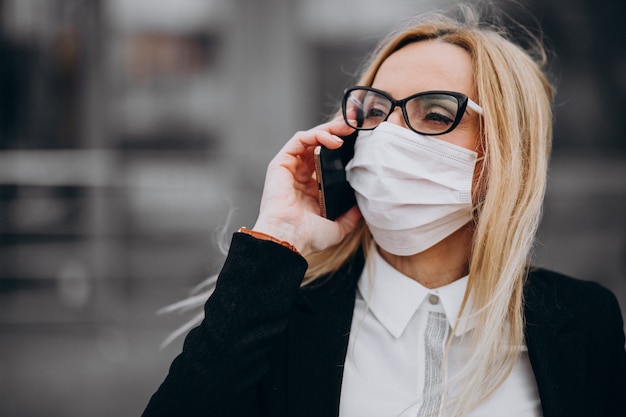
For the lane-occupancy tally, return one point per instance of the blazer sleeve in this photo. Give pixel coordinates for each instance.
(617, 396)
(224, 358)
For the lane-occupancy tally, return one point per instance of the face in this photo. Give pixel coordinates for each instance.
(431, 65)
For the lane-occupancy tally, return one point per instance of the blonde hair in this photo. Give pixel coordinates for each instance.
(516, 132)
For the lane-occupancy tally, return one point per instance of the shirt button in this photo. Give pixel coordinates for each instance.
(433, 299)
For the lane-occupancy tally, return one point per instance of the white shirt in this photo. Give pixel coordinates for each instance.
(384, 367)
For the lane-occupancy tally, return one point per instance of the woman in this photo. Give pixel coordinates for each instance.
(420, 300)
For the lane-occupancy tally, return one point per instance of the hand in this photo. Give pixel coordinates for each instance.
(289, 205)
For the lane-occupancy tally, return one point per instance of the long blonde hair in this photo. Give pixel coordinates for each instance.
(516, 133)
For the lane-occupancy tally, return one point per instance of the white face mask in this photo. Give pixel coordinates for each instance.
(413, 190)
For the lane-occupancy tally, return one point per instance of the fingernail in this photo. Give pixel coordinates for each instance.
(337, 139)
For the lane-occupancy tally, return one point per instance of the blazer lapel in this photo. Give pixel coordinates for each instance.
(556, 349)
(317, 342)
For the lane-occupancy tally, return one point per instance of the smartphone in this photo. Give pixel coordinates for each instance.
(335, 194)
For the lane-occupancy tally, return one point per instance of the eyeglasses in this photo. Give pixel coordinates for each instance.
(429, 113)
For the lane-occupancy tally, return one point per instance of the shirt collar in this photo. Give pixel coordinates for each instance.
(393, 298)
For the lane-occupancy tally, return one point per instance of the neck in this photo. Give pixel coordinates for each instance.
(438, 265)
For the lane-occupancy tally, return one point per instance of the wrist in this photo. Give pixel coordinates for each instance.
(262, 235)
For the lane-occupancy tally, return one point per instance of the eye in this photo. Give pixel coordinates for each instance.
(375, 112)
(439, 115)
(432, 113)
(375, 108)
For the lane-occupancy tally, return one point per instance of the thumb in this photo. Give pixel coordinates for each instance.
(335, 231)
(348, 221)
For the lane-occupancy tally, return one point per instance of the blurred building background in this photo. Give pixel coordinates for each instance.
(130, 129)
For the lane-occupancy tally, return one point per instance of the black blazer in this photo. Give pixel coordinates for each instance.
(270, 348)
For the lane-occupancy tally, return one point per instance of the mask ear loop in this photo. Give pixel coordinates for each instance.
(477, 199)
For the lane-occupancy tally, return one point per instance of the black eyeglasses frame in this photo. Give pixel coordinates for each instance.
(463, 101)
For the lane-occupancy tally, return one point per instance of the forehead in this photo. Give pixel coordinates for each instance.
(426, 65)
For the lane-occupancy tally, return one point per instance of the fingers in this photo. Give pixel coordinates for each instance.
(326, 134)
(352, 116)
